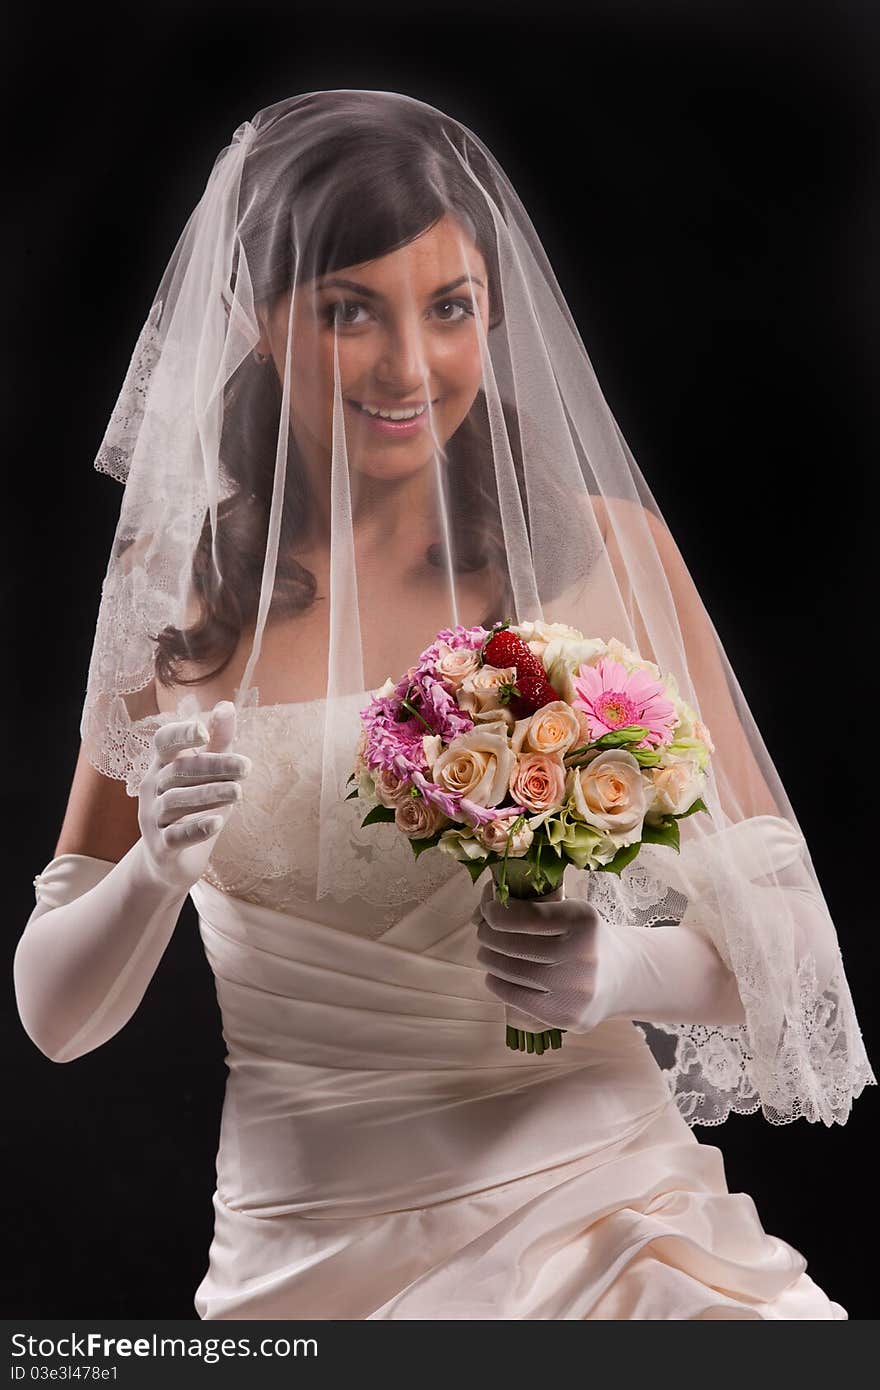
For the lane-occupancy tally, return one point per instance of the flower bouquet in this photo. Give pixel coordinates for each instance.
(524, 748)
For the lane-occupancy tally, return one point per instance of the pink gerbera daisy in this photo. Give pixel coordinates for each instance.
(614, 698)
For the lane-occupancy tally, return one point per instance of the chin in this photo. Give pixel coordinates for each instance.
(390, 467)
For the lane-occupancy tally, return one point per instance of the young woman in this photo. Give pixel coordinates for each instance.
(360, 413)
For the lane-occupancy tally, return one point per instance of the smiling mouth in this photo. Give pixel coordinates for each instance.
(399, 414)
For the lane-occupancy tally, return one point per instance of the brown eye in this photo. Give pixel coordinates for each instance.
(464, 304)
(334, 314)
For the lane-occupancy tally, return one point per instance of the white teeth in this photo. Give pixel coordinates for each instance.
(391, 414)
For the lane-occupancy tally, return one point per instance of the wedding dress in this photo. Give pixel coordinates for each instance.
(383, 1154)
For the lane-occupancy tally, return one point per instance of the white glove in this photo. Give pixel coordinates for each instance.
(185, 798)
(563, 964)
(99, 930)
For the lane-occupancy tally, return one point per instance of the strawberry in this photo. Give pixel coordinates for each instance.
(535, 691)
(504, 648)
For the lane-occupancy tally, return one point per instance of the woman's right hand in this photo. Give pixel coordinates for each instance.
(186, 798)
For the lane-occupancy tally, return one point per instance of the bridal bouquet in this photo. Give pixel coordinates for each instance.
(523, 749)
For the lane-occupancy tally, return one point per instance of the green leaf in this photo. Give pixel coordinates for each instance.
(699, 805)
(419, 846)
(666, 833)
(624, 856)
(378, 813)
(352, 795)
(553, 873)
(474, 867)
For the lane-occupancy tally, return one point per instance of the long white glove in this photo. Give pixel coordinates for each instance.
(99, 930)
(565, 965)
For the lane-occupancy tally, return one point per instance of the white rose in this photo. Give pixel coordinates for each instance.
(543, 632)
(536, 635)
(630, 660)
(461, 844)
(562, 659)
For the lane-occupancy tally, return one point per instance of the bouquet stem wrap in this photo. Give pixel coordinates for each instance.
(525, 1034)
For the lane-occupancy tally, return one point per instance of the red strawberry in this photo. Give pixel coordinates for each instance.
(504, 648)
(535, 691)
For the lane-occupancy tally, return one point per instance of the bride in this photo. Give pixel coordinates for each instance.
(360, 413)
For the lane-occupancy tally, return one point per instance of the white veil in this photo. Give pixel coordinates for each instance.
(279, 547)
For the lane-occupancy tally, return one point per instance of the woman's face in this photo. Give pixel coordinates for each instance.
(405, 325)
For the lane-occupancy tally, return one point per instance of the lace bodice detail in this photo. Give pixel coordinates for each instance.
(268, 850)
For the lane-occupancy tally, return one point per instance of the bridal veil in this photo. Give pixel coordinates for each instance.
(358, 365)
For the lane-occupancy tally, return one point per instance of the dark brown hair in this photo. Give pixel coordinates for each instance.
(371, 172)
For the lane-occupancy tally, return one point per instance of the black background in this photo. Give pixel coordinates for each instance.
(704, 179)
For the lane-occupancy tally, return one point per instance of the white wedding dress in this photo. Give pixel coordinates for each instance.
(383, 1154)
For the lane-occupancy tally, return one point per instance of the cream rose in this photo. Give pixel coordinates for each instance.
(538, 781)
(456, 663)
(493, 836)
(702, 733)
(418, 818)
(610, 794)
(479, 691)
(675, 787)
(584, 734)
(477, 765)
(503, 715)
(552, 729)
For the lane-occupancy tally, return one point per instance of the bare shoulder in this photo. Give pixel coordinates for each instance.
(621, 512)
(101, 819)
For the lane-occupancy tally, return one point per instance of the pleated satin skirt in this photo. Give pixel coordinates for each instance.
(383, 1154)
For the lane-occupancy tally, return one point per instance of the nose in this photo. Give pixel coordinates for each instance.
(402, 363)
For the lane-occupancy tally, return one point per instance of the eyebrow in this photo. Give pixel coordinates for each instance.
(374, 294)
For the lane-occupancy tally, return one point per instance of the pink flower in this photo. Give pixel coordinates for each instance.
(538, 781)
(614, 698)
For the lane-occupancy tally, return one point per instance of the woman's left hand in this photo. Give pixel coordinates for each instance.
(559, 962)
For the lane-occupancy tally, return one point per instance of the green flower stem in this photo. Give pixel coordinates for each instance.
(517, 1038)
(521, 1041)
